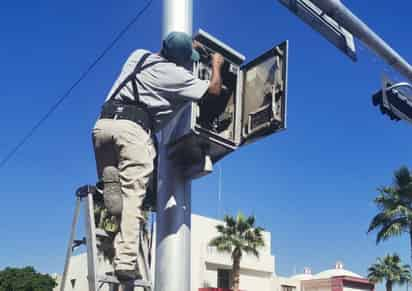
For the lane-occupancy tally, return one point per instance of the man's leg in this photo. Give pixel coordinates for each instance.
(136, 156)
(104, 146)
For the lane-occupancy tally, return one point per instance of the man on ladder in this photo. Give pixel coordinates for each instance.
(150, 90)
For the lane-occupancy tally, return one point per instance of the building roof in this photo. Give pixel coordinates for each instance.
(338, 271)
(301, 277)
(335, 273)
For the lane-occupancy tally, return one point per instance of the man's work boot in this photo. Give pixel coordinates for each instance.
(127, 275)
(112, 193)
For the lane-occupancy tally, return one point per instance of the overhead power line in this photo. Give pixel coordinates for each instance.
(67, 93)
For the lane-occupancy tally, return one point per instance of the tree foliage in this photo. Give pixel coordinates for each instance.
(390, 269)
(25, 279)
(395, 206)
(237, 236)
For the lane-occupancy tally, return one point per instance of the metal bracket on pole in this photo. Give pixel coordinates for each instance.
(199, 170)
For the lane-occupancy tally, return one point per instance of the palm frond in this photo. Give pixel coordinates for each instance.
(254, 237)
(391, 229)
(375, 274)
(251, 250)
(225, 248)
(229, 221)
(221, 243)
(395, 205)
(238, 235)
(241, 223)
(217, 241)
(377, 221)
(251, 221)
(228, 231)
(389, 268)
(402, 177)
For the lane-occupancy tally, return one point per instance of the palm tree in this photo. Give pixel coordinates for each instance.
(389, 268)
(239, 235)
(395, 205)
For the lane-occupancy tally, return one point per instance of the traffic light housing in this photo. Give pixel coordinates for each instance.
(392, 101)
(252, 104)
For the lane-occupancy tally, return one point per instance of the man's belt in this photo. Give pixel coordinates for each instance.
(119, 110)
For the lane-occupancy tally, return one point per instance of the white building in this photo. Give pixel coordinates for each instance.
(212, 270)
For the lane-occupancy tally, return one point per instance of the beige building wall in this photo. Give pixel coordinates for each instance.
(279, 283)
(317, 285)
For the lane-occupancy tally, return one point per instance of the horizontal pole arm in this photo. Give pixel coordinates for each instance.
(344, 17)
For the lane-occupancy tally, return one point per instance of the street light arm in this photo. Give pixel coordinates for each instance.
(344, 17)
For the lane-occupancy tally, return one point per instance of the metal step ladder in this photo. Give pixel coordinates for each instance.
(99, 271)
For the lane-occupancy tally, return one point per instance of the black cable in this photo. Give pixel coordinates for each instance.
(75, 84)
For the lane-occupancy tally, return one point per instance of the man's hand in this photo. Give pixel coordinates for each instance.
(217, 60)
(197, 45)
(215, 85)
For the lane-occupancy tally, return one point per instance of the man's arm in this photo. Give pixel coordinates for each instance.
(178, 82)
(215, 85)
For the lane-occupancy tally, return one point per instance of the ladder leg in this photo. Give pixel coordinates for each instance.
(70, 246)
(144, 251)
(91, 243)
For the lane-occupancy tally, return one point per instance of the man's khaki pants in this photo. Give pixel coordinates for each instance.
(125, 145)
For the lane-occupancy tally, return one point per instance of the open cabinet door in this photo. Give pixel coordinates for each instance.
(264, 94)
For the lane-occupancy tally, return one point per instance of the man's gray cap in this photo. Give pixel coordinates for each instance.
(177, 48)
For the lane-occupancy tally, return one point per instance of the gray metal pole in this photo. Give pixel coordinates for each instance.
(177, 16)
(172, 269)
(343, 16)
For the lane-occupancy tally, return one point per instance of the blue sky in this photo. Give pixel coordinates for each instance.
(312, 186)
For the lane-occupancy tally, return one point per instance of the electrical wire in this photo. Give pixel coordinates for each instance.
(67, 93)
